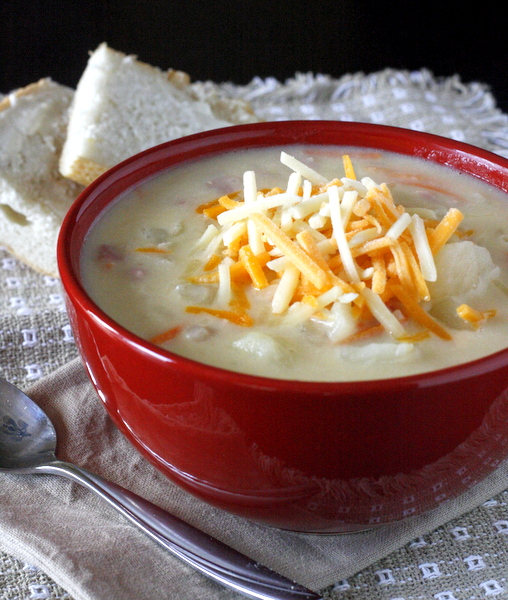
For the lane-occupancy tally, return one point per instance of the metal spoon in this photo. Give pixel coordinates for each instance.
(27, 445)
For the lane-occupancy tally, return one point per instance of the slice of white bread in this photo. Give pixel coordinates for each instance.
(123, 106)
(34, 196)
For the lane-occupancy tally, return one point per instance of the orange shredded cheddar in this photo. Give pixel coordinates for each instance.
(228, 203)
(472, 316)
(378, 284)
(214, 211)
(212, 277)
(383, 216)
(293, 251)
(372, 245)
(415, 337)
(363, 334)
(225, 202)
(305, 288)
(238, 318)
(310, 300)
(272, 192)
(240, 300)
(323, 188)
(253, 267)
(357, 225)
(212, 263)
(239, 272)
(362, 207)
(309, 245)
(415, 272)
(444, 230)
(416, 312)
(402, 268)
(153, 250)
(206, 205)
(349, 170)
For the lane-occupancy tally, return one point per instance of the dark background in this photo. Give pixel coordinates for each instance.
(235, 40)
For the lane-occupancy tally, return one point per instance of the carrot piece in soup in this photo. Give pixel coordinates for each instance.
(167, 335)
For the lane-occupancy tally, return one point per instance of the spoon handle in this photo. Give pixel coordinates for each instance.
(205, 553)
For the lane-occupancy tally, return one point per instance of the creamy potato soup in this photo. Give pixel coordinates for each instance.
(307, 263)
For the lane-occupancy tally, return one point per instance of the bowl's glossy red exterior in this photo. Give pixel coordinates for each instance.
(305, 456)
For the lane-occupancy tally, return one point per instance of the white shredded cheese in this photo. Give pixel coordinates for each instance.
(329, 296)
(366, 235)
(262, 204)
(309, 206)
(250, 190)
(400, 225)
(423, 251)
(286, 220)
(255, 238)
(234, 232)
(294, 182)
(301, 225)
(212, 247)
(369, 183)
(348, 298)
(340, 236)
(347, 204)
(307, 189)
(354, 185)
(325, 210)
(278, 264)
(303, 169)
(298, 312)
(210, 232)
(285, 289)
(366, 273)
(223, 296)
(317, 221)
(327, 246)
(383, 314)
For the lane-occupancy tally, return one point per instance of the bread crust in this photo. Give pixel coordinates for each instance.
(84, 170)
(31, 88)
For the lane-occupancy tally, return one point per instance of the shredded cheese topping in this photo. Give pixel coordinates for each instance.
(321, 243)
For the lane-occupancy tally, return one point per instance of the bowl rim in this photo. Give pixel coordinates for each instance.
(143, 165)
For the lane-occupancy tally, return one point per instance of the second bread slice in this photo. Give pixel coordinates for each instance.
(123, 106)
(34, 197)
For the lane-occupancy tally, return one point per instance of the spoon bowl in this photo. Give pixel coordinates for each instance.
(27, 436)
(28, 445)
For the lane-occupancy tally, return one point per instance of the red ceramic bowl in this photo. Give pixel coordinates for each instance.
(319, 457)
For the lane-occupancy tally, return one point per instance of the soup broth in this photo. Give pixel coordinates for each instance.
(156, 262)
